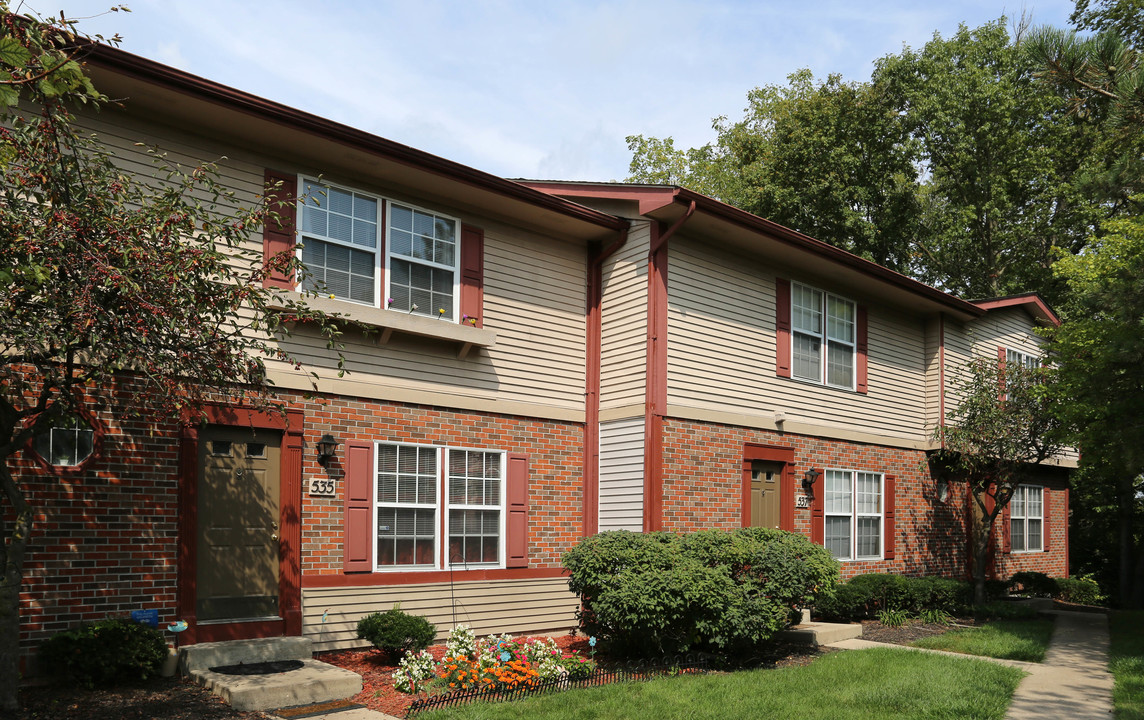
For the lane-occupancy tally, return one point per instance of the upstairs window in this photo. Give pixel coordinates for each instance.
(1013, 358)
(349, 237)
(423, 257)
(340, 236)
(823, 329)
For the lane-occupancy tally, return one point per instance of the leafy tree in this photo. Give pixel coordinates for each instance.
(828, 158)
(1100, 345)
(1002, 161)
(141, 294)
(1005, 424)
(1124, 18)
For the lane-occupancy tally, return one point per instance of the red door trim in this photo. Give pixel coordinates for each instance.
(290, 488)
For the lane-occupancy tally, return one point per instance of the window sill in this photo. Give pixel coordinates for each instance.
(389, 322)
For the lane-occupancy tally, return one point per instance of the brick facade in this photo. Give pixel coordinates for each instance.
(702, 488)
(105, 540)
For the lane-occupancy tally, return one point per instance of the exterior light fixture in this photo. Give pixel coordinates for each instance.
(808, 479)
(327, 446)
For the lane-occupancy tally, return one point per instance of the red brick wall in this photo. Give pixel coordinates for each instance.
(555, 451)
(105, 541)
(703, 484)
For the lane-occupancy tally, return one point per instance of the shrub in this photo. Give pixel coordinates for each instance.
(396, 632)
(656, 593)
(1002, 610)
(1083, 590)
(867, 596)
(106, 653)
(1035, 584)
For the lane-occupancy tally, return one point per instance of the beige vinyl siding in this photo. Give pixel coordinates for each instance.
(721, 351)
(538, 605)
(621, 475)
(1010, 328)
(534, 292)
(623, 357)
(933, 330)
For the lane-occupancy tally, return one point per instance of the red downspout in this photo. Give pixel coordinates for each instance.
(591, 489)
(655, 403)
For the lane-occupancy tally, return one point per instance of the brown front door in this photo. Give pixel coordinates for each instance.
(766, 483)
(238, 515)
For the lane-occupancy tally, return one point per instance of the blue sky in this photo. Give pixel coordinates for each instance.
(529, 88)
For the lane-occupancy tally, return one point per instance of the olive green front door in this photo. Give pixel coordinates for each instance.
(766, 483)
(238, 534)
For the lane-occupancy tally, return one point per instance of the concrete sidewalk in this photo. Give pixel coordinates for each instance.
(1073, 682)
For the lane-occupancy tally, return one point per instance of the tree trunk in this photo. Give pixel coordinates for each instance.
(982, 534)
(11, 577)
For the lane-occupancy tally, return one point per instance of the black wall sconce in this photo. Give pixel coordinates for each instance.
(327, 446)
(808, 479)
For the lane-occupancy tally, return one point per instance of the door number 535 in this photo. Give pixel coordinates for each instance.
(322, 487)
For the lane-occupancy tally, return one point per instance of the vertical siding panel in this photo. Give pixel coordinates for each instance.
(621, 474)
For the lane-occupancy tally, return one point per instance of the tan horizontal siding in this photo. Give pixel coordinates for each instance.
(621, 475)
(623, 357)
(1010, 328)
(933, 373)
(721, 350)
(489, 607)
(535, 291)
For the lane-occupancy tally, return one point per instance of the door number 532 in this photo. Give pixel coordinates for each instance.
(322, 487)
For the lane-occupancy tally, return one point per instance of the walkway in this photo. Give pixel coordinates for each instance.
(1073, 682)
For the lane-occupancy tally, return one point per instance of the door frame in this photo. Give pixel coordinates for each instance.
(291, 424)
(770, 453)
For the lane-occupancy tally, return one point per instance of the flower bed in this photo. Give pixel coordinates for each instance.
(486, 665)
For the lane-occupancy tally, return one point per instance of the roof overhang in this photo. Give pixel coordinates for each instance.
(741, 231)
(167, 95)
(1031, 303)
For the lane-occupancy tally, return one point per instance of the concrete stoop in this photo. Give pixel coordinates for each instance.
(314, 682)
(816, 634)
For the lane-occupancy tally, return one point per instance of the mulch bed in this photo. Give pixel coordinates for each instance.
(904, 634)
(158, 699)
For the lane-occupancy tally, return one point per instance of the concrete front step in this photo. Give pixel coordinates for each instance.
(820, 633)
(233, 652)
(314, 682)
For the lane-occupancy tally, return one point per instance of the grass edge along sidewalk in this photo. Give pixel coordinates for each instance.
(853, 685)
(1126, 662)
(1025, 640)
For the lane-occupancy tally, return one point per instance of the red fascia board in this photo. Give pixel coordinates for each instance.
(649, 197)
(1032, 302)
(153, 72)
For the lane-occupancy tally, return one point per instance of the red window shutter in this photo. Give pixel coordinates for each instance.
(278, 233)
(358, 518)
(516, 525)
(1046, 518)
(1001, 378)
(860, 361)
(782, 327)
(891, 490)
(1006, 537)
(818, 508)
(472, 275)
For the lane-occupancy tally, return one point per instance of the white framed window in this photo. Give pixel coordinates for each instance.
(343, 233)
(823, 337)
(422, 271)
(67, 442)
(1026, 519)
(438, 507)
(853, 514)
(1013, 358)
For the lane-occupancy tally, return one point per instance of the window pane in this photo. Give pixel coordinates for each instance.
(1017, 534)
(840, 365)
(1033, 497)
(839, 319)
(1017, 504)
(869, 537)
(838, 536)
(806, 309)
(806, 356)
(1034, 539)
(838, 488)
(869, 500)
(338, 270)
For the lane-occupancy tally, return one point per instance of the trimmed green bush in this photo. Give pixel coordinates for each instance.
(868, 596)
(655, 593)
(1083, 590)
(108, 652)
(396, 632)
(1034, 584)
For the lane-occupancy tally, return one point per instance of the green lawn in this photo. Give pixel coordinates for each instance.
(1126, 661)
(851, 685)
(1006, 639)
